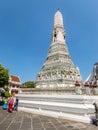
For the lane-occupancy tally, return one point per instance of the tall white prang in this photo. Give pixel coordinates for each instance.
(58, 69)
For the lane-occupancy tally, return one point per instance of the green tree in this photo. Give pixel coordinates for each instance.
(4, 76)
(29, 84)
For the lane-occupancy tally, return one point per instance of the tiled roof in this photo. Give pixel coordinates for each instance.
(15, 78)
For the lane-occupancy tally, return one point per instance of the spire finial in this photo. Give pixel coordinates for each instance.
(58, 19)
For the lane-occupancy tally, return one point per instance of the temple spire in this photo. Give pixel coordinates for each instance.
(58, 69)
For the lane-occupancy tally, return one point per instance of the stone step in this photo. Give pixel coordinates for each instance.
(61, 115)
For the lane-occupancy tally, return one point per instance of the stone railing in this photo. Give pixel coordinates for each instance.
(50, 91)
(62, 91)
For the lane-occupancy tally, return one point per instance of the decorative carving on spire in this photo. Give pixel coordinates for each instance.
(60, 37)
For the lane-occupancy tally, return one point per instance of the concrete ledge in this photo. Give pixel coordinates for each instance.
(54, 106)
(74, 107)
(62, 115)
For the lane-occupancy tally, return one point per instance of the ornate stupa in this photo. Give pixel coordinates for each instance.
(58, 69)
(92, 79)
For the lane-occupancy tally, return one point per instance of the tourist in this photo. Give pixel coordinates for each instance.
(96, 113)
(5, 104)
(16, 104)
(10, 104)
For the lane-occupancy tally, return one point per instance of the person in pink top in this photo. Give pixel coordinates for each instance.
(10, 104)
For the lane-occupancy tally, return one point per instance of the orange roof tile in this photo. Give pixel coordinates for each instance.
(15, 78)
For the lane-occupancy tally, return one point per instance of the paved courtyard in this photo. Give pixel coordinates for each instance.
(25, 121)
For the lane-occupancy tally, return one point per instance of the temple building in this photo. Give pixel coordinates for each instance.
(14, 81)
(58, 69)
(92, 79)
(15, 84)
(96, 70)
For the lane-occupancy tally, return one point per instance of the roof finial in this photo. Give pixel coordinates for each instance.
(58, 19)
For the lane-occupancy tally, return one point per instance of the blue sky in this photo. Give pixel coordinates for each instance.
(26, 29)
